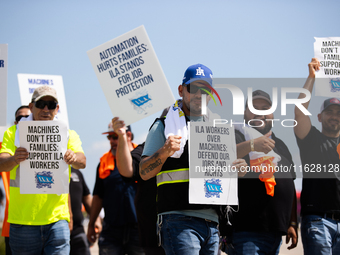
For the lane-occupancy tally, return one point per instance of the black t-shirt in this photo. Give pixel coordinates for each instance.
(320, 190)
(259, 211)
(118, 194)
(78, 190)
(145, 202)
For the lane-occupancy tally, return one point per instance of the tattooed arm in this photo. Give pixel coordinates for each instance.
(150, 166)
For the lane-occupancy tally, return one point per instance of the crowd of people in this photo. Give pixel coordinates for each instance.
(144, 189)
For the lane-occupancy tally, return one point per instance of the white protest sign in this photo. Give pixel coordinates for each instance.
(3, 83)
(44, 171)
(327, 82)
(29, 82)
(212, 178)
(2, 131)
(131, 77)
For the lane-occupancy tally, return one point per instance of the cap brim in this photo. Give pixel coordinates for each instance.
(328, 106)
(264, 98)
(108, 133)
(39, 97)
(208, 80)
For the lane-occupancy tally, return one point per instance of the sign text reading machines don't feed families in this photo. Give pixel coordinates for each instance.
(44, 171)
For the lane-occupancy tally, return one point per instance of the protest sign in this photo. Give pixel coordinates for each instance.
(212, 178)
(327, 82)
(3, 84)
(44, 171)
(131, 77)
(29, 82)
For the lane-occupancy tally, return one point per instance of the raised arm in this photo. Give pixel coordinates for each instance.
(303, 121)
(123, 152)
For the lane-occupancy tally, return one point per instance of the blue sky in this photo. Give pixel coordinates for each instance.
(236, 39)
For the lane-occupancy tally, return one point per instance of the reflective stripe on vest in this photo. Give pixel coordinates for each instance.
(173, 176)
(16, 182)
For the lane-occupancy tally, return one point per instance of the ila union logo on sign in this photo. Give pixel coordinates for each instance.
(213, 188)
(44, 179)
(141, 102)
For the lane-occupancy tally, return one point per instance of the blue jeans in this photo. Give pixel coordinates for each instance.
(183, 235)
(320, 235)
(45, 239)
(253, 243)
(119, 241)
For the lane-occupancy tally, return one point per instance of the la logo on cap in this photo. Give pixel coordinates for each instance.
(200, 71)
(334, 101)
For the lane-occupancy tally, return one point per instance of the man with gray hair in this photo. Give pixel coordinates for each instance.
(39, 222)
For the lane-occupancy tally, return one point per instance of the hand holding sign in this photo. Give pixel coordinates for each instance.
(172, 144)
(70, 157)
(240, 165)
(313, 66)
(118, 126)
(20, 155)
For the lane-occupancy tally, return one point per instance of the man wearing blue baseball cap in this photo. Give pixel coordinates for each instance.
(183, 228)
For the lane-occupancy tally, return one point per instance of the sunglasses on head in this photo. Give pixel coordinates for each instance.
(113, 136)
(51, 105)
(192, 89)
(18, 118)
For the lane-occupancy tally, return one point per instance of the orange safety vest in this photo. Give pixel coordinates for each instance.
(107, 163)
(5, 224)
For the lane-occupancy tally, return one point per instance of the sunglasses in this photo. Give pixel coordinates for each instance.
(51, 105)
(114, 137)
(18, 118)
(192, 89)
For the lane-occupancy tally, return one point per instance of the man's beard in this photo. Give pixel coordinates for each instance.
(264, 130)
(113, 151)
(329, 129)
(267, 126)
(192, 110)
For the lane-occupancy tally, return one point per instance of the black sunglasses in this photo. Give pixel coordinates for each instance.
(114, 137)
(51, 105)
(192, 89)
(18, 118)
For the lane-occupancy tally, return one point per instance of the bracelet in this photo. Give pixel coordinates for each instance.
(293, 223)
(252, 145)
